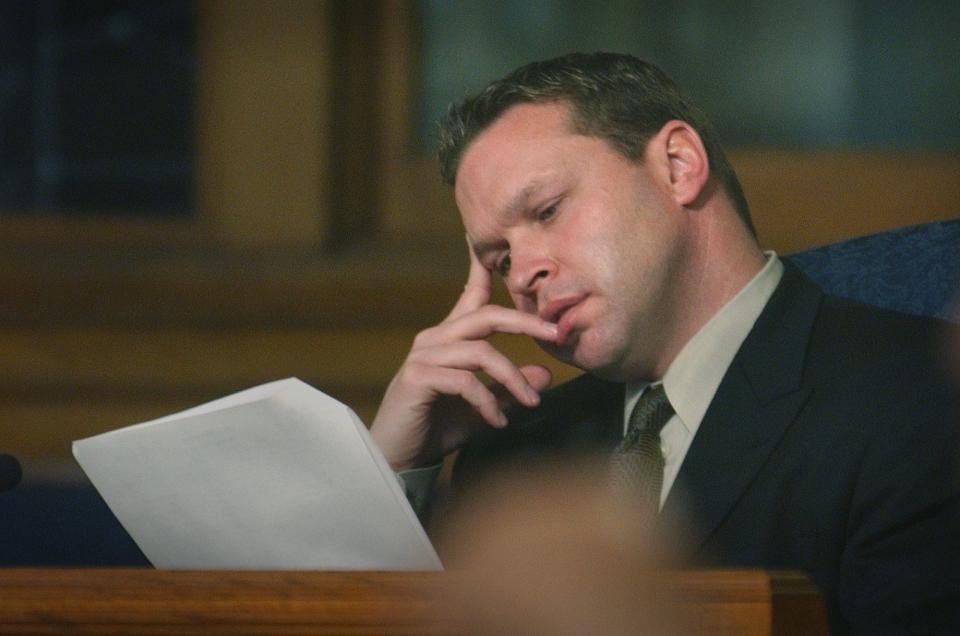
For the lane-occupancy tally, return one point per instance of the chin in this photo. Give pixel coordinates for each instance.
(590, 354)
(598, 358)
(596, 363)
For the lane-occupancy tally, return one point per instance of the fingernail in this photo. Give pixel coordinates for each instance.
(533, 395)
(551, 327)
(503, 420)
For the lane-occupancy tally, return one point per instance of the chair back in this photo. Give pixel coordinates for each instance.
(913, 269)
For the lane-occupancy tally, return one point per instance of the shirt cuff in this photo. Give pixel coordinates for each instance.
(417, 484)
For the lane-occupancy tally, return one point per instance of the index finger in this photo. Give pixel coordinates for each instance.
(478, 290)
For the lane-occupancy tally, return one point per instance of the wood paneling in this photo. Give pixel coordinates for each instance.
(797, 199)
(61, 384)
(804, 199)
(92, 339)
(170, 602)
(263, 124)
(107, 361)
(193, 291)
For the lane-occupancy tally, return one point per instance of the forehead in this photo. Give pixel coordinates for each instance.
(514, 130)
(513, 157)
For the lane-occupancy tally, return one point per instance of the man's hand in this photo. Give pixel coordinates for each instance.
(436, 400)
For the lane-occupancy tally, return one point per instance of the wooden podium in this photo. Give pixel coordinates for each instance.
(143, 601)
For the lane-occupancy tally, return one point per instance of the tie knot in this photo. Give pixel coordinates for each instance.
(651, 412)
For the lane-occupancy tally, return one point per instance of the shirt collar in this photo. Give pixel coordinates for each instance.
(695, 374)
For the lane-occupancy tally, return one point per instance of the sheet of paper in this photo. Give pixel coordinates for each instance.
(280, 476)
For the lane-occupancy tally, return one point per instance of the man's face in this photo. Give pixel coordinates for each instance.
(582, 236)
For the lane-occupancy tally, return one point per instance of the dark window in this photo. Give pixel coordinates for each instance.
(96, 107)
(778, 73)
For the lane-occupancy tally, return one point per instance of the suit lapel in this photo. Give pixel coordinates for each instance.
(756, 402)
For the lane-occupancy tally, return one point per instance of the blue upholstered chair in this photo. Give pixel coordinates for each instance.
(913, 269)
(62, 524)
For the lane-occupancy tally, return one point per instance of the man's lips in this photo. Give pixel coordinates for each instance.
(558, 311)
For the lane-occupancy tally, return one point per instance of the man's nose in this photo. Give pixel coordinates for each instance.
(528, 273)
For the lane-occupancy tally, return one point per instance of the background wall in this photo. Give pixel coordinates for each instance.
(303, 230)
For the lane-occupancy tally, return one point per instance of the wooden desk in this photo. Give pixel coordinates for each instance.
(133, 601)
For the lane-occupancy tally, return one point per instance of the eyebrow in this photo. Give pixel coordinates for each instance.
(514, 206)
(519, 200)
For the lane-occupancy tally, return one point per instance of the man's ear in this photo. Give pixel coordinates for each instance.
(683, 159)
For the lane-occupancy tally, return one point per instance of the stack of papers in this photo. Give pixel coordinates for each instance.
(280, 476)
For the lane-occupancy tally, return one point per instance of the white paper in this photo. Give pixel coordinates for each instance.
(280, 476)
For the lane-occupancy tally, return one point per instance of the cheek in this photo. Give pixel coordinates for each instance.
(608, 237)
(606, 255)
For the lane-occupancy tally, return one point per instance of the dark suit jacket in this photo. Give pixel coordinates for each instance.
(832, 445)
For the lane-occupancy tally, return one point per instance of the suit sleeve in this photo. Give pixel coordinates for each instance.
(901, 563)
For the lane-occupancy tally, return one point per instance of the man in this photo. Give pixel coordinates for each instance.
(802, 431)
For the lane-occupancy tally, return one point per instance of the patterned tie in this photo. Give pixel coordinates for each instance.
(636, 468)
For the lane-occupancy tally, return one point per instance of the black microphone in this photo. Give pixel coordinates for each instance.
(10, 472)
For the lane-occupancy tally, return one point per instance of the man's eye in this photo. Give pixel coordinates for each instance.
(547, 213)
(503, 266)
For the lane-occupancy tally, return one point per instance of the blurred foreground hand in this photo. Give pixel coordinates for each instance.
(553, 552)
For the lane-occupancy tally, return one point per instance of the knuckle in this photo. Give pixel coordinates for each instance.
(491, 312)
(409, 374)
(465, 380)
(424, 338)
(516, 379)
(482, 349)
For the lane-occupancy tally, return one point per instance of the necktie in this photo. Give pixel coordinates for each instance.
(636, 468)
